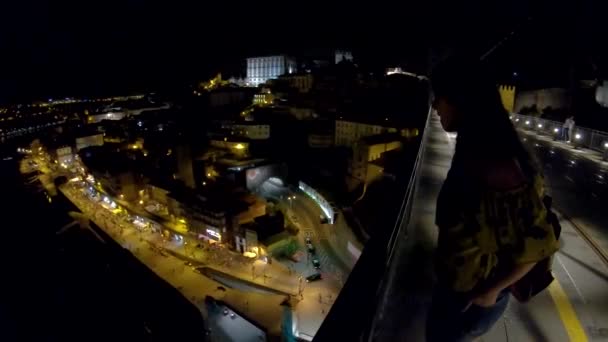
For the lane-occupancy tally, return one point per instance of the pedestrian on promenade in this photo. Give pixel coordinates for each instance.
(493, 226)
(568, 129)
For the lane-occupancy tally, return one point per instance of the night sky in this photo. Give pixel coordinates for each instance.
(90, 48)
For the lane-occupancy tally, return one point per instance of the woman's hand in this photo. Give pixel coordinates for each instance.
(488, 297)
(484, 299)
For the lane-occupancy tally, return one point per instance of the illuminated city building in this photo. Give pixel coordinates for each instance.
(261, 69)
(249, 130)
(348, 132)
(302, 82)
(87, 140)
(214, 213)
(343, 55)
(368, 150)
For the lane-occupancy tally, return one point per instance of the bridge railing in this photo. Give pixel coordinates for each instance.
(581, 136)
(357, 308)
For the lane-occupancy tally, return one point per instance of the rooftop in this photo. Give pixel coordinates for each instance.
(217, 196)
(369, 120)
(107, 159)
(381, 138)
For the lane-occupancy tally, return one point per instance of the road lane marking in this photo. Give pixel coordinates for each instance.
(584, 234)
(566, 313)
(578, 290)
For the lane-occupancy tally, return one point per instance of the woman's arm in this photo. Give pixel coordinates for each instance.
(488, 297)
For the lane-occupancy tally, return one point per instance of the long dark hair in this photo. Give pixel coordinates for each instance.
(485, 132)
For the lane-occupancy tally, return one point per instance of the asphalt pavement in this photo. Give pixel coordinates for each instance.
(577, 179)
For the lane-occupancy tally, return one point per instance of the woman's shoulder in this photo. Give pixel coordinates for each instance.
(502, 175)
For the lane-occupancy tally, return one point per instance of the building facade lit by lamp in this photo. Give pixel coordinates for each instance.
(342, 55)
(261, 69)
(213, 233)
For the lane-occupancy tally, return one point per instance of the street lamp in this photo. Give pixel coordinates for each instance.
(556, 133)
(577, 142)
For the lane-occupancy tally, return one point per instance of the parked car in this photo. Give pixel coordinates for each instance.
(313, 277)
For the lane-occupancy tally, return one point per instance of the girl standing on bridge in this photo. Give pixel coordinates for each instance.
(493, 226)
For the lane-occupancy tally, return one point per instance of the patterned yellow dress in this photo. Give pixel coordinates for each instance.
(483, 231)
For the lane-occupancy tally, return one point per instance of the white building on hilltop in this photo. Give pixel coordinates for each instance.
(343, 55)
(261, 69)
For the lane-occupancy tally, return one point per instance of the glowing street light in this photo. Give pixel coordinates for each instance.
(556, 134)
(527, 122)
(578, 136)
(606, 145)
(290, 199)
(540, 125)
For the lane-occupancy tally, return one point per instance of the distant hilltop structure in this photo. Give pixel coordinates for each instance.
(507, 96)
(343, 55)
(262, 69)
